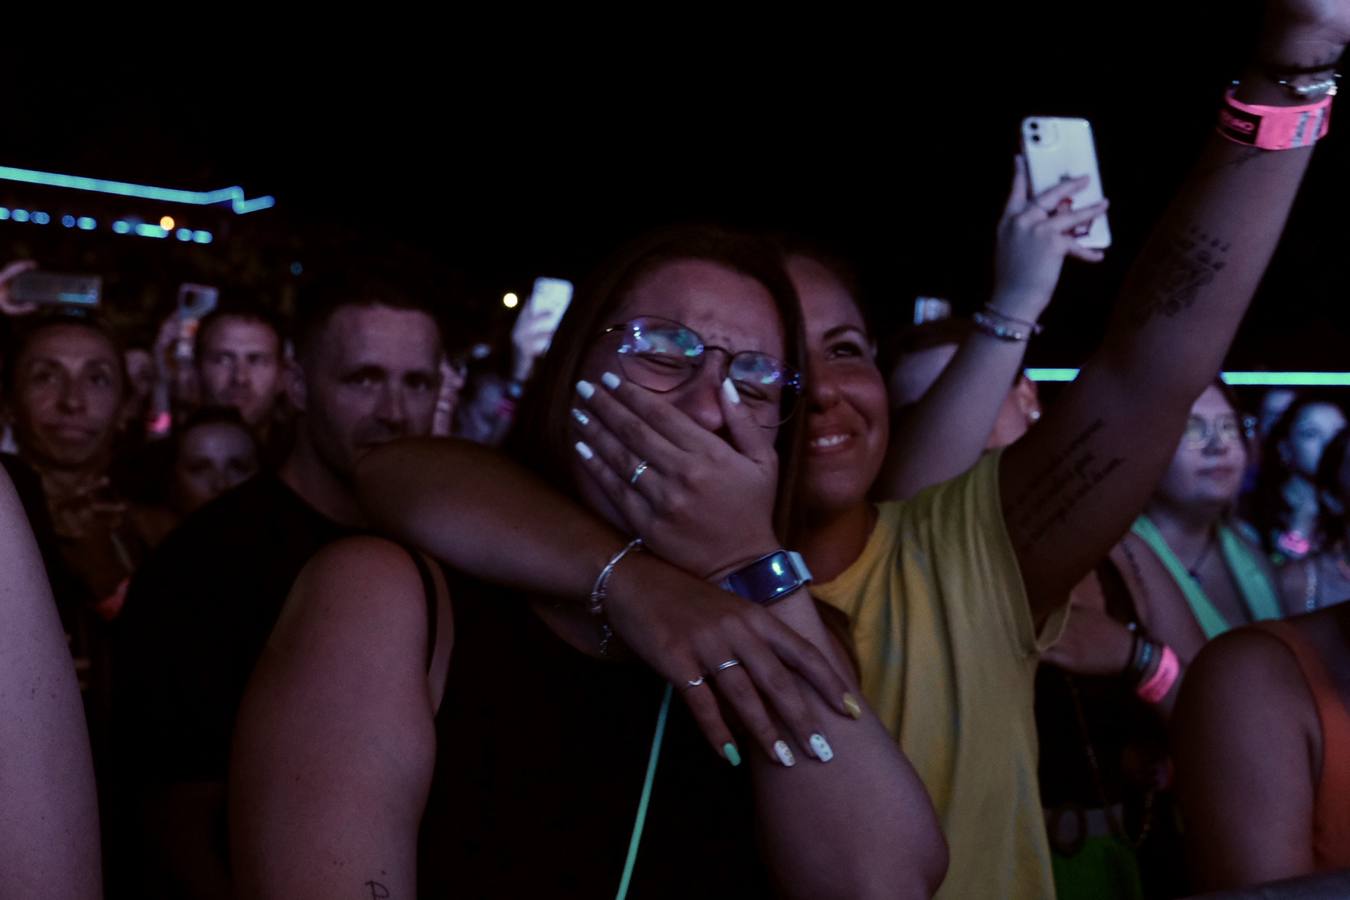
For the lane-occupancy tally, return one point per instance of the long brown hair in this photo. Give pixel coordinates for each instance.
(540, 438)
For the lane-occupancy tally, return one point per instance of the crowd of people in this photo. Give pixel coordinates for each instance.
(701, 595)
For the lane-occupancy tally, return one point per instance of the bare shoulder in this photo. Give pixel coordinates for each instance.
(1245, 678)
(365, 583)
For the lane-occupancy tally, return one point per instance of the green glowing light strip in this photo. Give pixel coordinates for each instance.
(1240, 379)
(231, 195)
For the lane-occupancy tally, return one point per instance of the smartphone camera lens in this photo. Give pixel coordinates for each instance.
(1035, 138)
(1034, 125)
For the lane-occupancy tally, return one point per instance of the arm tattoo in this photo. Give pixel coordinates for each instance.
(1172, 272)
(377, 890)
(1048, 498)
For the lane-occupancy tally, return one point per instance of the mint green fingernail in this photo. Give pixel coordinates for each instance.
(731, 753)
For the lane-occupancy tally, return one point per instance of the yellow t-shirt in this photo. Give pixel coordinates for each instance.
(948, 651)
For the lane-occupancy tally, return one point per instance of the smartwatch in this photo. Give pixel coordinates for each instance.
(769, 578)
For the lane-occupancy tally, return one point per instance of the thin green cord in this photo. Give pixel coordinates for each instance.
(646, 795)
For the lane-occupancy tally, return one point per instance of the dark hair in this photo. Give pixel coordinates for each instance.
(238, 307)
(31, 326)
(1269, 511)
(360, 283)
(540, 438)
(1333, 506)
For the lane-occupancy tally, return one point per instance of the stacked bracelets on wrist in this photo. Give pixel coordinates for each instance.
(1153, 668)
(600, 591)
(1283, 127)
(1003, 326)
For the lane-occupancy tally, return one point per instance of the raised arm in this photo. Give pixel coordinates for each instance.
(1073, 485)
(944, 434)
(49, 838)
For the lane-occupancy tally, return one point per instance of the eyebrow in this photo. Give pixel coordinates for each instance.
(840, 329)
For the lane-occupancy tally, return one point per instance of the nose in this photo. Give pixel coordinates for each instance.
(236, 374)
(821, 391)
(699, 398)
(72, 395)
(392, 410)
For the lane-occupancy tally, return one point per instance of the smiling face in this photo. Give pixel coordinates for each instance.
(726, 308)
(847, 424)
(68, 392)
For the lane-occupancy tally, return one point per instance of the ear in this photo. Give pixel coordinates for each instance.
(1027, 398)
(293, 380)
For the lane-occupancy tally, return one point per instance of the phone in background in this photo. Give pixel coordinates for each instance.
(55, 288)
(1058, 150)
(931, 309)
(195, 302)
(547, 303)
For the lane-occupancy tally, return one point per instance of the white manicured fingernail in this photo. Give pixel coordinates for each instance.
(784, 753)
(585, 389)
(581, 417)
(822, 748)
(729, 388)
(611, 380)
(585, 451)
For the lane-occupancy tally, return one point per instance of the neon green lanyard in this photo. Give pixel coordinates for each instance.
(636, 839)
(1257, 593)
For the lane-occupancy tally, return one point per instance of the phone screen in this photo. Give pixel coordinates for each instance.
(54, 288)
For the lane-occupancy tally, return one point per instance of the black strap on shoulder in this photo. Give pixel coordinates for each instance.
(429, 592)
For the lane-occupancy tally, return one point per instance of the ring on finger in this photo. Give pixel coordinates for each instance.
(729, 664)
(637, 472)
(695, 682)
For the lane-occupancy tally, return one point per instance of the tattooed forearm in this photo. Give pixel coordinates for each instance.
(1057, 489)
(376, 891)
(1171, 273)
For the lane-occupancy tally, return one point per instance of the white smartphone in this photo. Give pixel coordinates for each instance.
(1058, 150)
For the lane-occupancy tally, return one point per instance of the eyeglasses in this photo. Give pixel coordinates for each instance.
(1200, 431)
(661, 354)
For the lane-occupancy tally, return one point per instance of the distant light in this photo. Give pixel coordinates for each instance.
(510, 301)
(20, 215)
(1241, 379)
(4, 213)
(151, 231)
(202, 237)
(68, 221)
(183, 234)
(166, 223)
(41, 218)
(121, 227)
(84, 223)
(297, 269)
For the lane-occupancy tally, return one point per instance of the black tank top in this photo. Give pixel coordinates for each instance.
(542, 753)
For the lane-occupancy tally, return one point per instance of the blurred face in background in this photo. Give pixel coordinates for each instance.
(240, 367)
(212, 458)
(1316, 424)
(67, 397)
(1209, 462)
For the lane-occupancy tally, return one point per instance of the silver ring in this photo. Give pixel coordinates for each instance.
(637, 472)
(729, 664)
(693, 682)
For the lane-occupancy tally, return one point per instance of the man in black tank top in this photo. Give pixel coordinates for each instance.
(199, 612)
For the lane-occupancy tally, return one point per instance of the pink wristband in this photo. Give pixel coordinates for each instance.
(1274, 127)
(161, 424)
(1157, 686)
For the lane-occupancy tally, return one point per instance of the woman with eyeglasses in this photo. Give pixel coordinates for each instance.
(400, 739)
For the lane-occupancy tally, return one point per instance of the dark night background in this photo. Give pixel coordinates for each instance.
(487, 159)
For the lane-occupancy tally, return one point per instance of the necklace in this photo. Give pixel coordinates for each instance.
(1194, 568)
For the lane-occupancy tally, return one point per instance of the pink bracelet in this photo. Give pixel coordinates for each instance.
(1275, 127)
(1162, 679)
